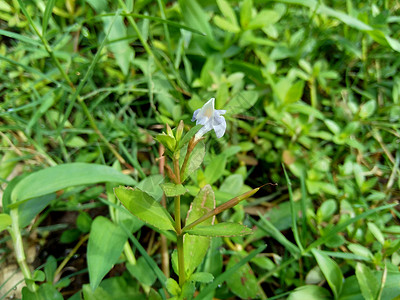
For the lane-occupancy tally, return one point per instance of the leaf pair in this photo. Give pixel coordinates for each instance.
(197, 238)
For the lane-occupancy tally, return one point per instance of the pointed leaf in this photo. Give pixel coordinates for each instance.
(331, 271)
(145, 207)
(369, 285)
(195, 247)
(105, 246)
(220, 229)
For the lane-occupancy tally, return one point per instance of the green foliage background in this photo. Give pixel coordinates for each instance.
(309, 86)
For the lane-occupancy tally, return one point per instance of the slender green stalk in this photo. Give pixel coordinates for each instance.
(181, 260)
(293, 212)
(177, 204)
(178, 225)
(71, 254)
(19, 250)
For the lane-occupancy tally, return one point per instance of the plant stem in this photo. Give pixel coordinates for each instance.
(71, 254)
(178, 227)
(164, 245)
(19, 250)
(181, 261)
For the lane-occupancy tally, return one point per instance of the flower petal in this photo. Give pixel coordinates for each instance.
(203, 130)
(195, 114)
(219, 125)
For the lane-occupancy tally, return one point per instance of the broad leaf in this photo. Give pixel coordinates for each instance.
(105, 246)
(46, 291)
(369, 285)
(310, 292)
(203, 277)
(56, 178)
(171, 189)
(145, 207)
(215, 169)
(243, 283)
(195, 247)
(241, 102)
(331, 271)
(220, 229)
(195, 159)
(142, 272)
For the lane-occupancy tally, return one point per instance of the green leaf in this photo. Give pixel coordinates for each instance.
(168, 141)
(195, 159)
(172, 287)
(142, 272)
(106, 242)
(226, 25)
(242, 283)
(241, 102)
(360, 250)
(151, 186)
(369, 285)
(122, 51)
(186, 138)
(47, 15)
(367, 109)
(27, 211)
(195, 17)
(50, 268)
(245, 13)
(145, 208)
(309, 292)
(215, 169)
(196, 247)
(338, 228)
(98, 294)
(326, 210)
(56, 178)
(228, 273)
(315, 187)
(227, 11)
(295, 92)
(98, 5)
(220, 229)
(46, 292)
(203, 277)
(171, 189)
(20, 37)
(263, 19)
(7, 164)
(376, 232)
(5, 221)
(331, 271)
(83, 222)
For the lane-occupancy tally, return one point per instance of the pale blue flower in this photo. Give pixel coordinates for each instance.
(210, 118)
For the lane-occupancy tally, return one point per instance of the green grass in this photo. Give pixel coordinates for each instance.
(309, 86)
